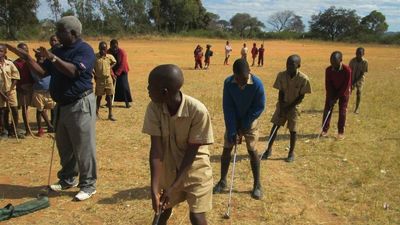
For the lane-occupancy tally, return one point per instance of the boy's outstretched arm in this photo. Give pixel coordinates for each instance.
(156, 155)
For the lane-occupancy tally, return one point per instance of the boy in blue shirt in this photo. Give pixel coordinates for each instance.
(243, 103)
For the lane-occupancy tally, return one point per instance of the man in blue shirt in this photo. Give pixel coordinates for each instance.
(243, 103)
(71, 87)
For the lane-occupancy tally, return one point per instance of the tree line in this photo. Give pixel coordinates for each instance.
(188, 17)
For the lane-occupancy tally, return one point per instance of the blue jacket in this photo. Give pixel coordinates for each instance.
(242, 107)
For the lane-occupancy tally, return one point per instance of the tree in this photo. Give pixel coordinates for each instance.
(177, 15)
(134, 14)
(15, 14)
(374, 23)
(55, 7)
(223, 24)
(334, 23)
(242, 22)
(280, 20)
(295, 24)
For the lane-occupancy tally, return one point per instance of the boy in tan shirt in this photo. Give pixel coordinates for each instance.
(104, 78)
(180, 130)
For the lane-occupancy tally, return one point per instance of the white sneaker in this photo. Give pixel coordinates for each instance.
(81, 196)
(59, 187)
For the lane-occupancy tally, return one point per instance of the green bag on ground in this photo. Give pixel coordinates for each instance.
(25, 208)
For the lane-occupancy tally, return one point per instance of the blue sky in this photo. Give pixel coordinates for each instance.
(262, 9)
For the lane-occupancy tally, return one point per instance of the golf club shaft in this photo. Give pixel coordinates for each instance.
(269, 140)
(156, 219)
(323, 125)
(13, 121)
(51, 160)
(232, 176)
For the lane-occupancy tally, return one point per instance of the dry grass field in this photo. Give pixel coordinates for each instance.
(330, 182)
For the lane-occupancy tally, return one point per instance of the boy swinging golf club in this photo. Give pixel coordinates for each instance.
(292, 85)
(180, 131)
(243, 103)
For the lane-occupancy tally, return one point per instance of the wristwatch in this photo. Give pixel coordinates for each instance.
(54, 59)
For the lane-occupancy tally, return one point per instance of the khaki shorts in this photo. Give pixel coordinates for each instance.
(25, 98)
(359, 85)
(12, 99)
(291, 117)
(104, 87)
(42, 100)
(250, 136)
(196, 189)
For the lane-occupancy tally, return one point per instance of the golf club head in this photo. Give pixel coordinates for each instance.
(44, 191)
(226, 216)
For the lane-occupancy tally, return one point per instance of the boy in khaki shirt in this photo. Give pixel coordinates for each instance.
(359, 68)
(180, 130)
(9, 76)
(104, 78)
(292, 85)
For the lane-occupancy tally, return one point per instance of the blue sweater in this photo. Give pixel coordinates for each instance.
(242, 107)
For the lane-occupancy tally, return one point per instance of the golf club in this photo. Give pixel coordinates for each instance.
(227, 214)
(323, 125)
(13, 121)
(26, 119)
(269, 140)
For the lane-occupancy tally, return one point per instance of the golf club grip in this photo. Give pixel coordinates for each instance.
(156, 219)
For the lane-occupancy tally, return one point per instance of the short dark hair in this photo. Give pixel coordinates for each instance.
(102, 43)
(338, 53)
(360, 49)
(21, 44)
(240, 65)
(113, 41)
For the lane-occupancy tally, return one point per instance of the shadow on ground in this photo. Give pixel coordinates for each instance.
(139, 193)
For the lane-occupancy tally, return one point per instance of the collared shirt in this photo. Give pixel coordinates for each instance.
(64, 89)
(242, 105)
(8, 72)
(122, 62)
(254, 51)
(244, 51)
(41, 83)
(228, 50)
(24, 73)
(358, 69)
(292, 87)
(338, 82)
(190, 125)
(261, 52)
(102, 68)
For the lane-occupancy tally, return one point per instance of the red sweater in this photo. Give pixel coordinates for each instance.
(24, 73)
(122, 62)
(338, 83)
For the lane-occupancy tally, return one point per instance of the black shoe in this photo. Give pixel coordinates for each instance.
(127, 105)
(290, 157)
(50, 130)
(257, 192)
(267, 154)
(219, 187)
(110, 117)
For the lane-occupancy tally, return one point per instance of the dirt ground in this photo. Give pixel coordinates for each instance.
(330, 182)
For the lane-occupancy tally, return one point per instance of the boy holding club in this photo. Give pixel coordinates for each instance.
(180, 130)
(243, 103)
(292, 85)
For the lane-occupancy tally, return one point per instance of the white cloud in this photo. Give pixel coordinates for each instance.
(262, 9)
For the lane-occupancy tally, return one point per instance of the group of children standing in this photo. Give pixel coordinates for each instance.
(255, 52)
(174, 114)
(198, 57)
(21, 88)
